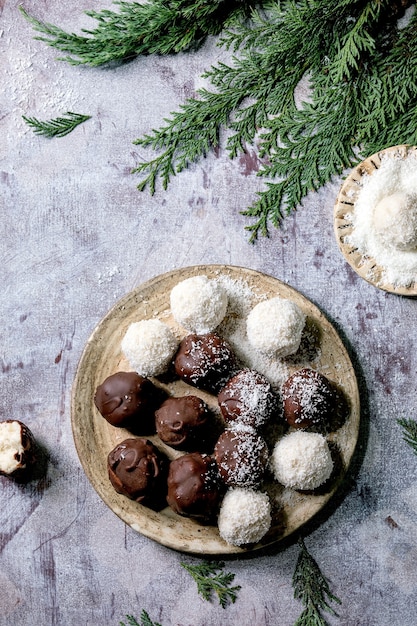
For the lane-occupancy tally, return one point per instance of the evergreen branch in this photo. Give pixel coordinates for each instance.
(153, 27)
(58, 127)
(311, 587)
(409, 432)
(145, 620)
(211, 578)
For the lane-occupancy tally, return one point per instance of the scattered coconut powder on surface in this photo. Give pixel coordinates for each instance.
(395, 175)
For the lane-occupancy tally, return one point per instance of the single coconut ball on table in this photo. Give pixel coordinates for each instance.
(301, 460)
(149, 346)
(17, 450)
(395, 220)
(275, 326)
(199, 304)
(245, 516)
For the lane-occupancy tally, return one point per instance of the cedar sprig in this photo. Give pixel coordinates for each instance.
(152, 27)
(363, 98)
(312, 588)
(211, 578)
(145, 620)
(409, 432)
(58, 127)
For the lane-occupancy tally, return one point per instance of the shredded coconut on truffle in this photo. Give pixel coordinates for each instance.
(198, 304)
(275, 326)
(301, 460)
(384, 221)
(149, 346)
(245, 516)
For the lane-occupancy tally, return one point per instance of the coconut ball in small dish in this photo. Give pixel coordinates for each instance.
(149, 346)
(199, 304)
(275, 326)
(138, 470)
(205, 361)
(194, 489)
(245, 516)
(17, 450)
(395, 220)
(248, 398)
(302, 460)
(128, 400)
(242, 456)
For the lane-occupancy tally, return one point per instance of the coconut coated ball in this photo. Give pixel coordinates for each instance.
(395, 220)
(199, 304)
(245, 516)
(275, 326)
(149, 346)
(301, 460)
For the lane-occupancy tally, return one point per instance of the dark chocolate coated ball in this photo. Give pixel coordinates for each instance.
(184, 423)
(138, 470)
(205, 361)
(193, 486)
(129, 400)
(17, 450)
(248, 398)
(310, 400)
(241, 455)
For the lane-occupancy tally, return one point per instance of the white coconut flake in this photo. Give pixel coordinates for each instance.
(245, 516)
(198, 304)
(149, 346)
(275, 326)
(11, 446)
(301, 460)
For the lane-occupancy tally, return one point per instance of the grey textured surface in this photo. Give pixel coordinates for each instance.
(76, 235)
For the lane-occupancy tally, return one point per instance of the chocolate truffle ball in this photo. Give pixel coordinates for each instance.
(17, 450)
(248, 398)
(241, 456)
(184, 423)
(139, 471)
(194, 486)
(310, 400)
(205, 361)
(129, 400)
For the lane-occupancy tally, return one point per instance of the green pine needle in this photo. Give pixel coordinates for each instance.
(312, 588)
(409, 432)
(152, 27)
(58, 127)
(363, 97)
(211, 578)
(145, 620)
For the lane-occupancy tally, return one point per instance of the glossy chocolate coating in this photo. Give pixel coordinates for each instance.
(183, 423)
(139, 471)
(129, 400)
(193, 486)
(310, 400)
(205, 361)
(248, 398)
(241, 456)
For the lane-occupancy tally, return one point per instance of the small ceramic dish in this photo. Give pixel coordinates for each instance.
(365, 266)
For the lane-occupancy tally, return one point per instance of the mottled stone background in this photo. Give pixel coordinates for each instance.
(76, 236)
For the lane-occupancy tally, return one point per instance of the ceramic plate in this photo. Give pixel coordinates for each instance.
(365, 266)
(94, 438)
